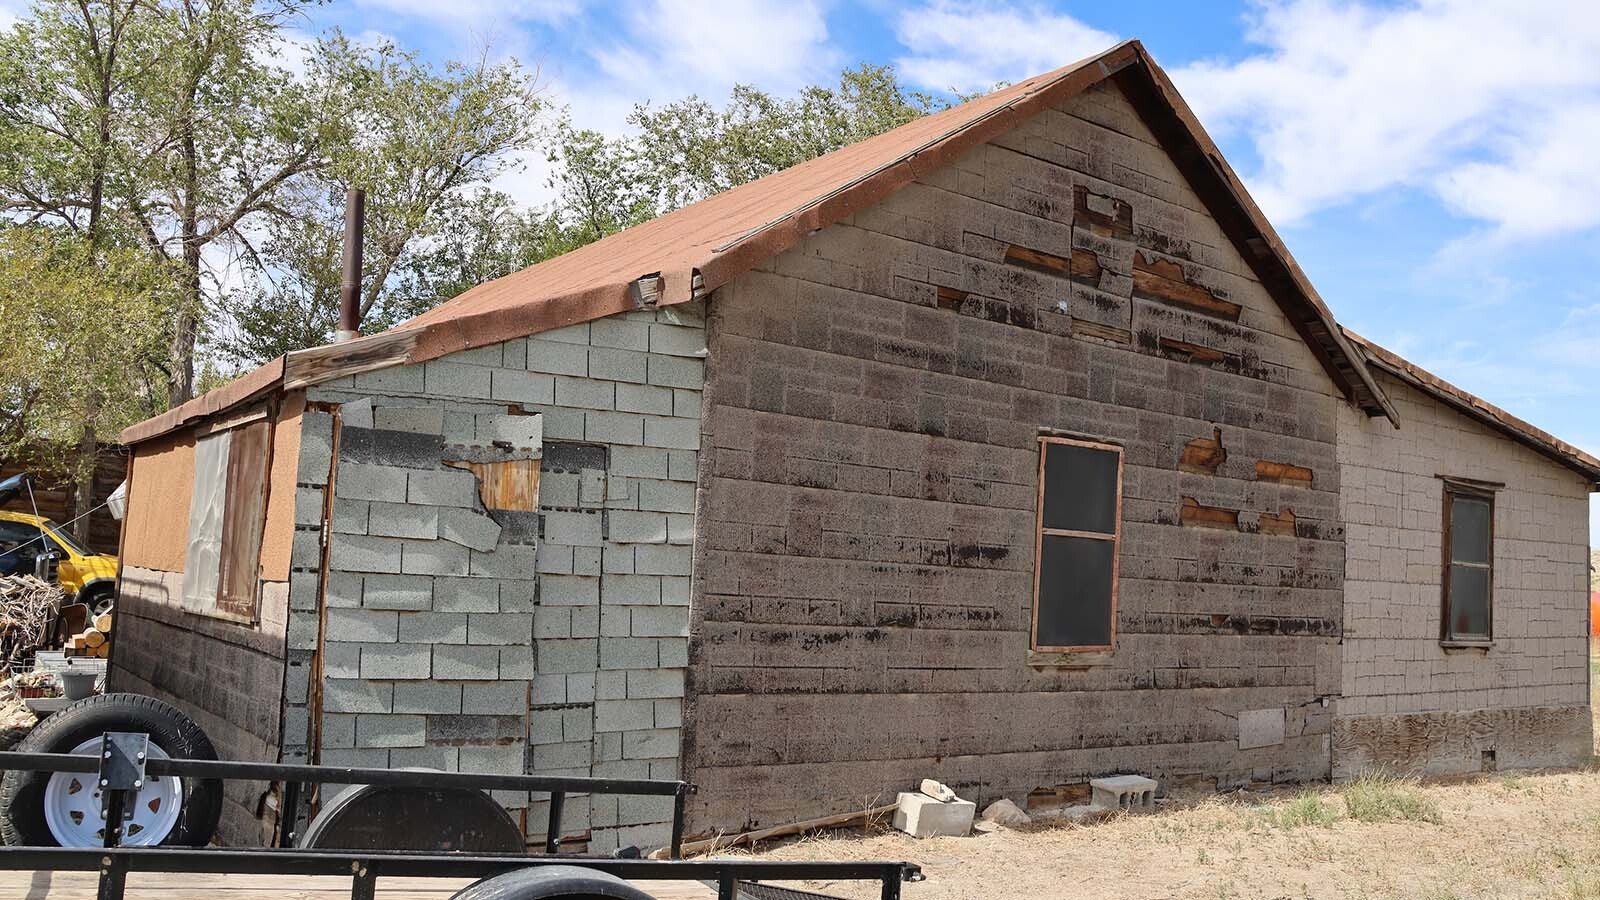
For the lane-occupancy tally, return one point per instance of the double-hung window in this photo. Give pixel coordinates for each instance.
(1468, 571)
(1078, 537)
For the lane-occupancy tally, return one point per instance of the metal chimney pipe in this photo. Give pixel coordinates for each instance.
(355, 210)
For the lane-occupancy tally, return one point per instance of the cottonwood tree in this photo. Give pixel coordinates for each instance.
(690, 149)
(86, 332)
(423, 140)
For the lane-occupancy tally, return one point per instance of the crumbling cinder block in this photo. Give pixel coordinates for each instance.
(922, 816)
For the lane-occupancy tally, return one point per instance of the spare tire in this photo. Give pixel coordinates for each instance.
(551, 883)
(50, 809)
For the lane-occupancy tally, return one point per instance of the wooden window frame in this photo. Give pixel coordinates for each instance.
(1040, 531)
(1472, 490)
(242, 567)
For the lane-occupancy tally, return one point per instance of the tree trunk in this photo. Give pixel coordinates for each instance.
(181, 385)
(88, 455)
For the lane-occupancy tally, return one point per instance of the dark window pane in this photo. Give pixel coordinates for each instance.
(1469, 602)
(1080, 488)
(1469, 530)
(1074, 592)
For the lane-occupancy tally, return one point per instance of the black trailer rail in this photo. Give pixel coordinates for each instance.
(123, 764)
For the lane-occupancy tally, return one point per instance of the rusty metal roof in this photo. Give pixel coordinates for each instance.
(1477, 408)
(694, 250)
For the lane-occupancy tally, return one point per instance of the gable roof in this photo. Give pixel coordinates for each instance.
(1476, 407)
(691, 251)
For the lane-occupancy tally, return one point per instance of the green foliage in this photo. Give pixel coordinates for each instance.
(169, 130)
(86, 337)
(1384, 797)
(424, 141)
(690, 150)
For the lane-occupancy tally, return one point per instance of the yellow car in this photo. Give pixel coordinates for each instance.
(89, 576)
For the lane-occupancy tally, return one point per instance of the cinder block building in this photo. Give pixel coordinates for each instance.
(1009, 448)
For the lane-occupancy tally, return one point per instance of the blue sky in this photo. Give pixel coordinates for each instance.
(1431, 164)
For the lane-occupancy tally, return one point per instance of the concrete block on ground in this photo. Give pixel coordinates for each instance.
(921, 816)
(1130, 792)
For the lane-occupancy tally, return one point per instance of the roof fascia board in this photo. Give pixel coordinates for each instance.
(1480, 410)
(260, 382)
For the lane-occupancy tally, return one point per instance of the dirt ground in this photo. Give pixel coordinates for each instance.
(1523, 835)
(1514, 835)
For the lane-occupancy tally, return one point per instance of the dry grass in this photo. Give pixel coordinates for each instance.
(1524, 835)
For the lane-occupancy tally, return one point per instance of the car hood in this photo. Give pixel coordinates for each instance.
(100, 566)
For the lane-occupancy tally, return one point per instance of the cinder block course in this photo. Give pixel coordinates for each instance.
(396, 592)
(573, 528)
(360, 553)
(436, 697)
(547, 354)
(362, 482)
(563, 656)
(629, 653)
(389, 731)
(617, 365)
(523, 387)
(463, 663)
(468, 528)
(401, 520)
(395, 661)
(630, 527)
(666, 621)
(498, 698)
(639, 462)
(419, 419)
(361, 625)
(354, 696)
(449, 487)
(466, 594)
(452, 379)
(434, 558)
(624, 715)
(500, 628)
(433, 628)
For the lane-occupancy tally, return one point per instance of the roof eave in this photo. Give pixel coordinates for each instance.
(1479, 409)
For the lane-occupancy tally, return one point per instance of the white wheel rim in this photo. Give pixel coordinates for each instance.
(73, 813)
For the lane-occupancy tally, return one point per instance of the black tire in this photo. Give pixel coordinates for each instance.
(95, 596)
(551, 883)
(22, 822)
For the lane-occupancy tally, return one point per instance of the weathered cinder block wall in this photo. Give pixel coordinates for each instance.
(874, 398)
(1407, 703)
(467, 634)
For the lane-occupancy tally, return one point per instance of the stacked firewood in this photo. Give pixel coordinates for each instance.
(26, 608)
(94, 640)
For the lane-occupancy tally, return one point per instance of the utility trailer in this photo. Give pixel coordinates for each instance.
(359, 839)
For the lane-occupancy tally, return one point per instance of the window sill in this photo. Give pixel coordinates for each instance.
(1448, 646)
(1069, 659)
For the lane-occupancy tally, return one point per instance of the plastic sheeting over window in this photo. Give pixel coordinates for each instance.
(203, 561)
(227, 513)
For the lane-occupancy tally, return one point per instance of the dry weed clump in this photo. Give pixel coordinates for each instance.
(1306, 809)
(1380, 796)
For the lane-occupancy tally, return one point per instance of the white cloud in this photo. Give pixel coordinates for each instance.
(481, 16)
(1492, 107)
(969, 45)
(675, 47)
